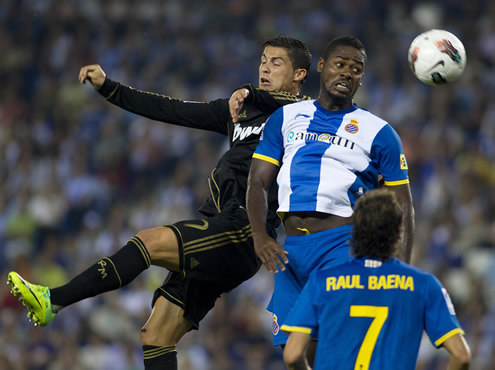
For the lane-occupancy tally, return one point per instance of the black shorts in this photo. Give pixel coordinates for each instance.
(216, 255)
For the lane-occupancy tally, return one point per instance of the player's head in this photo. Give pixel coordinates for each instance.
(342, 69)
(377, 225)
(284, 64)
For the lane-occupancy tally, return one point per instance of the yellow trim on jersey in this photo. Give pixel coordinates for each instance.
(297, 329)
(266, 159)
(395, 183)
(444, 337)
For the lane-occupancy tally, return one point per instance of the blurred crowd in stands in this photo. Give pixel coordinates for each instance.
(79, 177)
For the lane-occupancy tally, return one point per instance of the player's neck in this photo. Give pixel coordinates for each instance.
(332, 104)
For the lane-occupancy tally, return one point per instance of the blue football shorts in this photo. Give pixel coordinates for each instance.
(307, 253)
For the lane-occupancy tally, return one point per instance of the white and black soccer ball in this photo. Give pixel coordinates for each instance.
(437, 57)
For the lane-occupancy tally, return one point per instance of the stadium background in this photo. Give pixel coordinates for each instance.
(78, 176)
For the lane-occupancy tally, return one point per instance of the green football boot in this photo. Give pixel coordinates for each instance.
(35, 297)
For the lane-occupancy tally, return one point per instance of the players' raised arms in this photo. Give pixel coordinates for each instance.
(92, 73)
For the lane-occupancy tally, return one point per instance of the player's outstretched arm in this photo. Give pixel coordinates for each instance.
(92, 73)
(271, 253)
(211, 116)
(460, 354)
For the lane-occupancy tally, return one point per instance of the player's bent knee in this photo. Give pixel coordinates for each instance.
(162, 246)
(154, 239)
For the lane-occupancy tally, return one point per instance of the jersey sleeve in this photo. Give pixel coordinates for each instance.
(271, 146)
(387, 152)
(440, 319)
(303, 318)
(212, 116)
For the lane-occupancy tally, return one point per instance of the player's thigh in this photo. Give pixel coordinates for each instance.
(166, 324)
(287, 287)
(162, 246)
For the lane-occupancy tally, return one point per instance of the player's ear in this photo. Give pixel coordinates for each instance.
(319, 66)
(300, 74)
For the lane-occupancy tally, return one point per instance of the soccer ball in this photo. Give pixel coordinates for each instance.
(437, 57)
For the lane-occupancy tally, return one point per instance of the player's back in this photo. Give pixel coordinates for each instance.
(372, 315)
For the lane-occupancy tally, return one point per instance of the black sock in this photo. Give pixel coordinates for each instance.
(107, 274)
(160, 358)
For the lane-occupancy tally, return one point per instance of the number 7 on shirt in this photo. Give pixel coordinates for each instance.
(379, 315)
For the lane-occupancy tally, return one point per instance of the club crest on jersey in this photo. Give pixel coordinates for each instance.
(352, 127)
(275, 326)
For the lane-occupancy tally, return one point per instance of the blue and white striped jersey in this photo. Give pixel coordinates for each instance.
(327, 158)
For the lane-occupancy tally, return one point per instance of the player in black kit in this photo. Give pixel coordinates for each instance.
(208, 256)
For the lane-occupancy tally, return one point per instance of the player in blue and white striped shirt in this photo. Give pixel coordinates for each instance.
(327, 152)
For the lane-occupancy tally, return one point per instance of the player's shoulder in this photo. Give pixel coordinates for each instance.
(302, 107)
(407, 269)
(310, 103)
(369, 117)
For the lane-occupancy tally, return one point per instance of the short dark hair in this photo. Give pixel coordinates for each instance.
(351, 41)
(298, 52)
(377, 225)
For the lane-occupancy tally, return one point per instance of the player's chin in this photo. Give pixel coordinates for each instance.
(340, 97)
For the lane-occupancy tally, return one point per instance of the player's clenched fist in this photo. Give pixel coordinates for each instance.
(92, 73)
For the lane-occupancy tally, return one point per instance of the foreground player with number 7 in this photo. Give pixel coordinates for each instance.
(370, 313)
